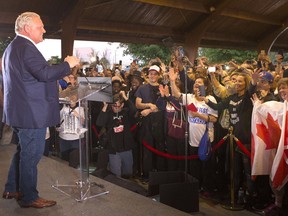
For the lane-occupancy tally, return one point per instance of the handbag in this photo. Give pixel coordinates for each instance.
(224, 119)
(176, 126)
(205, 149)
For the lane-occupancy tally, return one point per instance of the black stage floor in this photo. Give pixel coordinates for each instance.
(118, 202)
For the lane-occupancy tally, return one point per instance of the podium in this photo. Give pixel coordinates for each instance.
(88, 89)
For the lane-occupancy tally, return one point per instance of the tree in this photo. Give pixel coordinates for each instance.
(226, 55)
(4, 42)
(54, 60)
(145, 52)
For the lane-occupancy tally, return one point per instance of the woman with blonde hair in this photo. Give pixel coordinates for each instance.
(240, 110)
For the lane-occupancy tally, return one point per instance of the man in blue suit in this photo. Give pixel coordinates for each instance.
(31, 104)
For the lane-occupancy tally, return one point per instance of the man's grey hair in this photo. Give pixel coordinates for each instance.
(24, 19)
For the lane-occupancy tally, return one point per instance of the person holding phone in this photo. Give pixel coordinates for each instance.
(264, 62)
(240, 108)
(198, 120)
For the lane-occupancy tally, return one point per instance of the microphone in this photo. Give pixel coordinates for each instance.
(89, 84)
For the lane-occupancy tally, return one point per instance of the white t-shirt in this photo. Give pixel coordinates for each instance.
(197, 126)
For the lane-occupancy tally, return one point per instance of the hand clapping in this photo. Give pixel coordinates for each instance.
(72, 61)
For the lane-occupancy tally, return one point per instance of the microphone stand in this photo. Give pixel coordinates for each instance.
(186, 126)
(88, 82)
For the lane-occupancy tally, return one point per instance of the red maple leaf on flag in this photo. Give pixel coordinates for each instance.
(270, 135)
(281, 173)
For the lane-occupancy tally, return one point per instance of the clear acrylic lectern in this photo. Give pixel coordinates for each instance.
(88, 89)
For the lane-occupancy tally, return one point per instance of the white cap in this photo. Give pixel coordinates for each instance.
(154, 68)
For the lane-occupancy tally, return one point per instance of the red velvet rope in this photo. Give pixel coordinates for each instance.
(183, 157)
(190, 157)
(242, 147)
(163, 154)
(219, 143)
(95, 131)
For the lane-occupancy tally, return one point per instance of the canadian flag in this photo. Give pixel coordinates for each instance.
(279, 172)
(269, 142)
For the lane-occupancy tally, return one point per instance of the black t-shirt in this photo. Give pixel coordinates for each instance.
(240, 110)
(148, 93)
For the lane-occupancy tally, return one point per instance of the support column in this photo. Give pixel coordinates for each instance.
(193, 38)
(191, 45)
(69, 28)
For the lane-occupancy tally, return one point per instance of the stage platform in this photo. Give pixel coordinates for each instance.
(118, 202)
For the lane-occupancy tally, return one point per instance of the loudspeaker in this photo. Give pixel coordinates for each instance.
(183, 196)
(158, 178)
(176, 189)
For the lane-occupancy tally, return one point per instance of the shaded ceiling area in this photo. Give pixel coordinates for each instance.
(234, 24)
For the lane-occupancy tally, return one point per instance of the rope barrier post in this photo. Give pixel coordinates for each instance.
(232, 205)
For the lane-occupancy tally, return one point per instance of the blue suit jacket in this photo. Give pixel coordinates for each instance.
(31, 98)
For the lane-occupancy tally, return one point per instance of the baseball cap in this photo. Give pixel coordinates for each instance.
(154, 68)
(264, 75)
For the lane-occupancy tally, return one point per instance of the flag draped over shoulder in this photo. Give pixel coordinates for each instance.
(279, 172)
(268, 141)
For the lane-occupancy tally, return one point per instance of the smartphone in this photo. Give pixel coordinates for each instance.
(181, 51)
(195, 62)
(211, 69)
(202, 90)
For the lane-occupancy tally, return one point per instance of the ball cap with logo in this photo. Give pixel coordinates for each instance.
(264, 75)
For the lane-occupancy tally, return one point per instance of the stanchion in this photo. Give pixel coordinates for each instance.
(232, 205)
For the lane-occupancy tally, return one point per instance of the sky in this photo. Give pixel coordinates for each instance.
(52, 47)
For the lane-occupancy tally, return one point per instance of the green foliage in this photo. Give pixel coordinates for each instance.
(54, 60)
(226, 55)
(145, 52)
(4, 42)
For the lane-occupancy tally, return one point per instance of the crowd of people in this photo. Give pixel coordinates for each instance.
(137, 131)
(137, 136)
